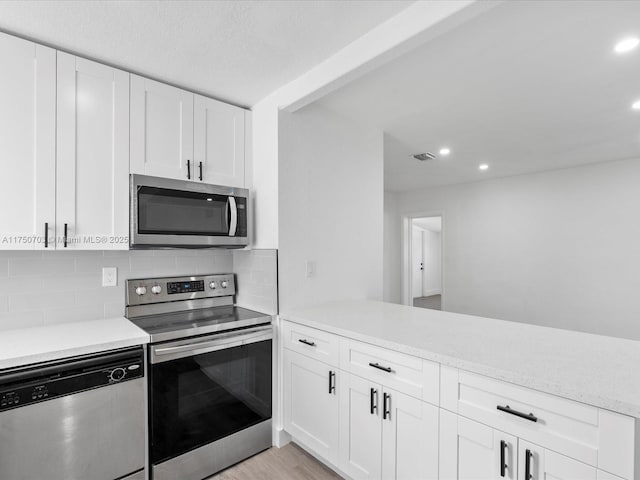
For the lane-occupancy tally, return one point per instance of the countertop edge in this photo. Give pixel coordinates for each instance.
(486, 370)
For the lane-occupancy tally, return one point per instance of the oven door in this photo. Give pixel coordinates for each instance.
(207, 388)
(166, 212)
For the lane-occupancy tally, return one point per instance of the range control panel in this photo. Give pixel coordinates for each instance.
(158, 290)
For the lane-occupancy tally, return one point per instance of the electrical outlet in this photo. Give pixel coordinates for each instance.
(310, 268)
(109, 276)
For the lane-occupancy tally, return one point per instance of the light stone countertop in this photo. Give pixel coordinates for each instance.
(26, 346)
(593, 369)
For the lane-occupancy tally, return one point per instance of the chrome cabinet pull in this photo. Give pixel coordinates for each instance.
(527, 416)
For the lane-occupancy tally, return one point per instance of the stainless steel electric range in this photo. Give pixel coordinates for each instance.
(209, 374)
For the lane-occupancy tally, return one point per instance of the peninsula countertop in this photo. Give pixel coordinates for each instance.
(26, 346)
(593, 369)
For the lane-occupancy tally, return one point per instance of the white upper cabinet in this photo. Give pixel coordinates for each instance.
(92, 195)
(219, 138)
(27, 144)
(161, 130)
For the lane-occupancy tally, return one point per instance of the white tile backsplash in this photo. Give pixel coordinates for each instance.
(39, 288)
(257, 279)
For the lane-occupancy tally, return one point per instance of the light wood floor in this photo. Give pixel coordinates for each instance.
(287, 463)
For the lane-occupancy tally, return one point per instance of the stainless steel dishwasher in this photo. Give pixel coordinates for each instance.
(78, 419)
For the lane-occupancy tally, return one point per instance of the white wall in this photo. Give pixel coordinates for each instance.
(330, 208)
(558, 248)
(432, 259)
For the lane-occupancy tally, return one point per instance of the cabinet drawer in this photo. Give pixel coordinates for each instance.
(411, 375)
(311, 342)
(583, 432)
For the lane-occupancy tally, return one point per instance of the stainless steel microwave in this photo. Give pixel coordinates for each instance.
(178, 213)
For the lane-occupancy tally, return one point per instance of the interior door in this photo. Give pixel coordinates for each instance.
(409, 438)
(161, 130)
(361, 435)
(311, 407)
(416, 262)
(28, 146)
(92, 155)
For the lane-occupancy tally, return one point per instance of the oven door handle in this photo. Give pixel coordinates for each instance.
(162, 353)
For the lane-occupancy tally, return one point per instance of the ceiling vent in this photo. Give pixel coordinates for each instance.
(423, 157)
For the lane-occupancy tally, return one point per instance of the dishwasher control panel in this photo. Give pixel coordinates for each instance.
(21, 387)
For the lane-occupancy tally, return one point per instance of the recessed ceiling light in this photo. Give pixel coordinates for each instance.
(627, 44)
(445, 151)
(483, 166)
(636, 105)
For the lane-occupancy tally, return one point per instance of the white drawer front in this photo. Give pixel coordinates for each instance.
(411, 375)
(311, 342)
(562, 425)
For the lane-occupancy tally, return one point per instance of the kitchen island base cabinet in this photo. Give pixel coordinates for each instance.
(311, 402)
(386, 434)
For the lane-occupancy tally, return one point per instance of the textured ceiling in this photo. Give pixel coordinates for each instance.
(238, 51)
(528, 86)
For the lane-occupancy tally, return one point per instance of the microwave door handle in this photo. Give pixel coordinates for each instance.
(233, 223)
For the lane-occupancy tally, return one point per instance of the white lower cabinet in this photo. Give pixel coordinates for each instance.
(387, 434)
(409, 438)
(372, 425)
(537, 463)
(472, 451)
(311, 399)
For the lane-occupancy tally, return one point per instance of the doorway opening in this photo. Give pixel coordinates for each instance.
(425, 262)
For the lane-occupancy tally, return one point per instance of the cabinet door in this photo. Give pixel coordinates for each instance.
(538, 463)
(161, 130)
(311, 406)
(409, 437)
(92, 155)
(219, 142)
(472, 451)
(28, 144)
(360, 428)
